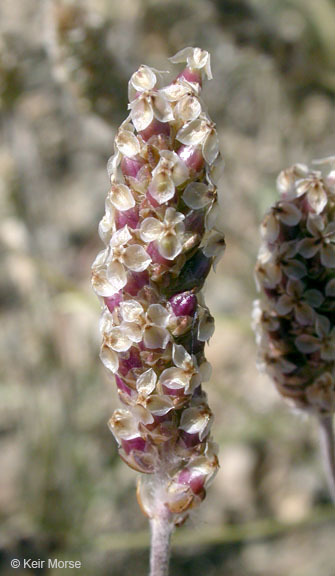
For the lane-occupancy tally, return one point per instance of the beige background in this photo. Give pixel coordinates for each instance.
(63, 90)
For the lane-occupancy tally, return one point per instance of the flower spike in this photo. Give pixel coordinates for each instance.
(294, 320)
(160, 244)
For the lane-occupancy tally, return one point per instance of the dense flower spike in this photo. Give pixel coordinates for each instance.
(294, 320)
(160, 237)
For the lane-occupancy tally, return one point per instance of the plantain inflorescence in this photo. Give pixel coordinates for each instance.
(294, 320)
(161, 241)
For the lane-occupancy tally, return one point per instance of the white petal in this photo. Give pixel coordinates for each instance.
(161, 108)
(270, 228)
(143, 79)
(174, 92)
(295, 288)
(196, 421)
(159, 405)
(215, 246)
(212, 216)
(206, 327)
(180, 356)
(121, 197)
(118, 339)
(169, 246)
(141, 113)
(187, 109)
(162, 188)
(196, 195)
(151, 229)
(116, 275)
(330, 288)
(182, 55)
(205, 371)
(174, 378)
(109, 358)
(198, 59)
(192, 133)
(327, 255)
(315, 225)
(317, 199)
(136, 258)
(156, 337)
(178, 169)
(328, 351)
(285, 366)
(284, 305)
(289, 214)
(101, 284)
(158, 315)
(322, 326)
(295, 269)
(146, 382)
(308, 247)
(211, 147)
(132, 331)
(113, 166)
(304, 313)
(127, 143)
(131, 310)
(307, 344)
(314, 297)
(172, 217)
(120, 237)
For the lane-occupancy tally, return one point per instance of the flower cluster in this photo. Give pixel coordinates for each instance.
(295, 319)
(161, 241)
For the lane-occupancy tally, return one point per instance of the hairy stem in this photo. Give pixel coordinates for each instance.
(161, 530)
(328, 450)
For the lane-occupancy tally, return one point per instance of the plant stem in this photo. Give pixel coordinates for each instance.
(161, 530)
(328, 450)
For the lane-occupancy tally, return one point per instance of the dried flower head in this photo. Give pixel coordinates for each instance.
(294, 320)
(160, 243)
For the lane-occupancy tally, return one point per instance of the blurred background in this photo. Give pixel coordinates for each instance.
(64, 493)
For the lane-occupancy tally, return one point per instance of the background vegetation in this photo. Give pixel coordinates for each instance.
(64, 493)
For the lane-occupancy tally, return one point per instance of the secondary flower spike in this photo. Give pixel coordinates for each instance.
(294, 320)
(161, 242)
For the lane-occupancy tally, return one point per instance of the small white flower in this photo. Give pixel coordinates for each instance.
(271, 265)
(145, 102)
(214, 247)
(321, 394)
(169, 173)
(301, 301)
(122, 256)
(149, 325)
(187, 374)
(287, 179)
(126, 142)
(322, 241)
(201, 132)
(196, 58)
(168, 233)
(196, 420)
(115, 340)
(198, 195)
(313, 186)
(184, 95)
(324, 341)
(120, 196)
(284, 212)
